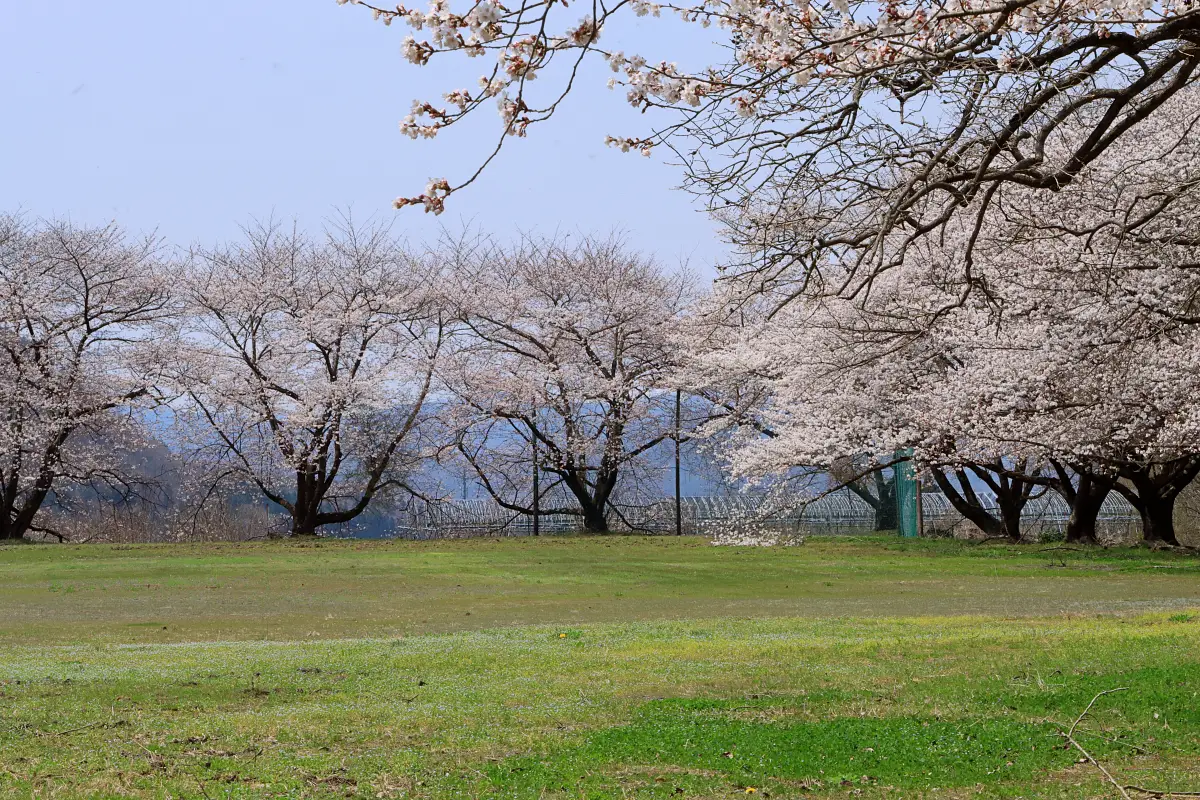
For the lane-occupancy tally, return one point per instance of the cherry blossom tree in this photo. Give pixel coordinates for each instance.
(305, 367)
(77, 306)
(1076, 347)
(870, 126)
(565, 371)
(1114, 294)
(1122, 413)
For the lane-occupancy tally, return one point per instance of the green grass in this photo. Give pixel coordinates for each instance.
(603, 667)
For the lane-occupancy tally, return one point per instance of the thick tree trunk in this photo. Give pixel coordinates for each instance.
(885, 517)
(1084, 494)
(594, 520)
(882, 500)
(885, 512)
(303, 525)
(15, 522)
(1153, 493)
(1085, 509)
(1010, 518)
(1158, 520)
(965, 502)
(8, 530)
(18, 510)
(592, 501)
(306, 511)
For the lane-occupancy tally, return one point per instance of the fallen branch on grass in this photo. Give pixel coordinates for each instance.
(1124, 790)
(1070, 736)
(98, 723)
(1161, 792)
(80, 728)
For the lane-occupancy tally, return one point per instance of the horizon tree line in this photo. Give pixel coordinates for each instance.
(325, 372)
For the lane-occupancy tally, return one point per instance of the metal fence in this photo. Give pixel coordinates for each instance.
(838, 513)
(1043, 516)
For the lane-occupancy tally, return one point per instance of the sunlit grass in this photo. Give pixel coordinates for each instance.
(768, 695)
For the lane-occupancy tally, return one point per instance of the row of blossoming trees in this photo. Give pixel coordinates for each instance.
(328, 373)
(967, 228)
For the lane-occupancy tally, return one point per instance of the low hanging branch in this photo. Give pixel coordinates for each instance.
(815, 112)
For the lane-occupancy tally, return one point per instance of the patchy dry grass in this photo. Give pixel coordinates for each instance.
(593, 668)
(165, 593)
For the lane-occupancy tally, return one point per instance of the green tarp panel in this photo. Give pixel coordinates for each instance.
(907, 517)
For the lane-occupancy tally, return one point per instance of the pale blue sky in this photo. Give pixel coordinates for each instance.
(192, 117)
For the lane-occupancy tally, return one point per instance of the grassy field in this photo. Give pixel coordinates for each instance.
(595, 667)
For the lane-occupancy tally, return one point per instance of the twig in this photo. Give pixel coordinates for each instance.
(1161, 792)
(1079, 719)
(203, 789)
(74, 730)
(1124, 790)
(1070, 735)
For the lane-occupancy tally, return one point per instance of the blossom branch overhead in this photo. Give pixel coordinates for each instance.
(877, 121)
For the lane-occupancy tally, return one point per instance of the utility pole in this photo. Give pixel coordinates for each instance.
(678, 495)
(537, 510)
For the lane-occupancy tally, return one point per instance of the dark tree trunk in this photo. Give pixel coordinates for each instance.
(882, 499)
(306, 511)
(18, 509)
(886, 518)
(1010, 517)
(9, 531)
(593, 502)
(1158, 521)
(303, 525)
(1085, 509)
(1084, 494)
(594, 520)
(17, 519)
(1153, 493)
(965, 502)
